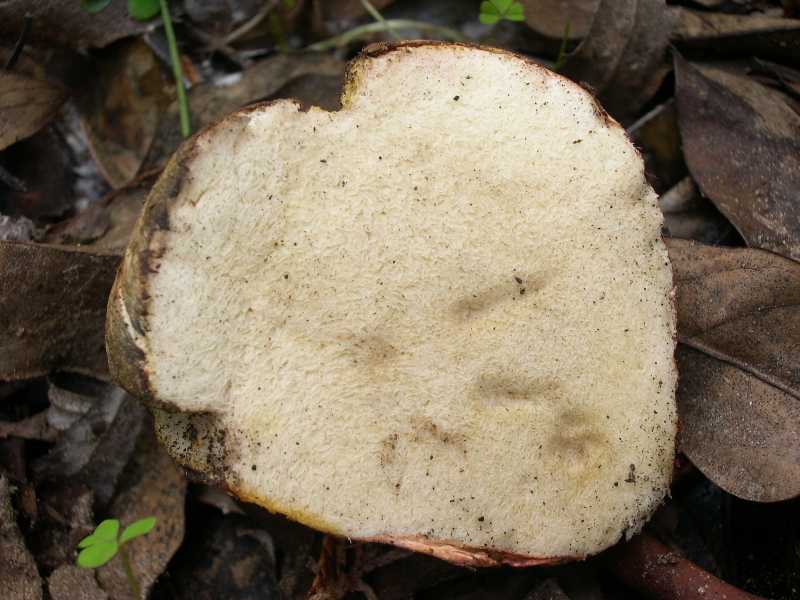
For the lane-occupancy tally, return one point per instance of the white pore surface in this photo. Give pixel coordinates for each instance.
(443, 311)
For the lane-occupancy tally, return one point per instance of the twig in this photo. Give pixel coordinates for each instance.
(245, 28)
(362, 31)
(126, 565)
(648, 566)
(175, 59)
(373, 12)
(12, 60)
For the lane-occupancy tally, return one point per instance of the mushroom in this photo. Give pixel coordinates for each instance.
(440, 317)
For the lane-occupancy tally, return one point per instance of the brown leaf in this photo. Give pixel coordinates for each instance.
(52, 309)
(624, 56)
(19, 579)
(742, 144)
(26, 105)
(262, 81)
(742, 433)
(739, 364)
(725, 35)
(689, 216)
(66, 23)
(155, 487)
(656, 135)
(741, 306)
(547, 590)
(122, 108)
(330, 10)
(550, 17)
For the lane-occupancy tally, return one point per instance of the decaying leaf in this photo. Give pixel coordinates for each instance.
(328, 10)
(723, 34)
(262, 81)
(155, 487)
(26, 104)
(67, 23)
(20, 229)
(624, 56)
(739, 389)
(52, 309)
(741, 140)
(19, 578)
(122, 108)
(547, 590)
(550, 17)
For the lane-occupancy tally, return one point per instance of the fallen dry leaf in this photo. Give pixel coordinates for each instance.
(67, 23)
(329, 10)
(725, 35)
(121, 109)
(547, 590)
(741, 141)
(52, 309)
(153, 486)
(739, 364)
(624, 56)
(19, 578)
(26, 105)
(741, 306)
(550, 17)
(741, 432)
(210, 102)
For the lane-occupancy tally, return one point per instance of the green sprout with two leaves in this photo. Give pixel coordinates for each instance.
(105, 542)
(144, 10)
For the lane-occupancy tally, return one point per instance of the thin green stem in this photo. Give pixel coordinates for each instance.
(136, 592)
(175, 59)
(362, 31)
(373, 12)
(562, 51)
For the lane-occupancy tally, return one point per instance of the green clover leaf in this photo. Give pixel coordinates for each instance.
(493, 11)
(97, 554)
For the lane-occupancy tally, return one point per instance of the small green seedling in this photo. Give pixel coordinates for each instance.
(104, 543)
(144, 10)
(494, 11)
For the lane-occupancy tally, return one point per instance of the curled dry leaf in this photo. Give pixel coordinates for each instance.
(657, 137)
(726, 35)
(624, 56)
(67, 23)
(741, 141)
(689, 216)
(52, 309)
(122, 108)
(155, 487)
(26, 105)
(19, 578)
(739, 390)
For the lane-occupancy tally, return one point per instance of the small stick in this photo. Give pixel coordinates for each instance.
(126, 564)
(356, 33)
(26, 28)
(648, 566)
